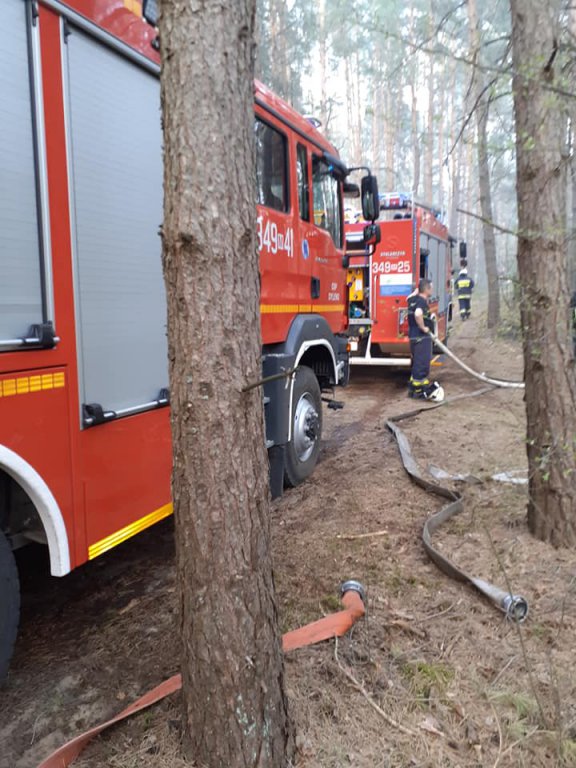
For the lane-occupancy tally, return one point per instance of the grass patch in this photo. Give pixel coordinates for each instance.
(423, 676)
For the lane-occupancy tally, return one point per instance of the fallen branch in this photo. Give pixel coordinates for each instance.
(360, 688)
(353, 536)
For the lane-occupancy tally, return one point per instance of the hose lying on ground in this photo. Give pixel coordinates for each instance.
(335, 625)
(514, 607)
(352, 593)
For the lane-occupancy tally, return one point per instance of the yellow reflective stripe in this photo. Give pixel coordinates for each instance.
(24, 385)
(328, 307)
(99, 547)
(278, 309)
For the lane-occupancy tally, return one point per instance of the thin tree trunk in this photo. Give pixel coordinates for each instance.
(429, 152)
(235, 710)
(358, 117)
(376, 132)
(455, 159)
(415, 140)
(470, 228)
(543, 272)
(414, 136)
(323, 57)
(444, 85)
(482, 106)
(390, 127)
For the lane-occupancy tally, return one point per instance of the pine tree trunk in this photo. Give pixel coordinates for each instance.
(390, 127)
(543, 272)
(482, 105)
(572, 176)
(323, 58)
(429, 152)
(415, 140)
(235, 710)
(441, 147)
(414, 135)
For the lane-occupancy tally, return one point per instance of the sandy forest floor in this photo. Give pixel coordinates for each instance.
(468, 688)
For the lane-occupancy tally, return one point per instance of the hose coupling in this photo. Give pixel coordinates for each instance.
(353, 586)
(515, 607)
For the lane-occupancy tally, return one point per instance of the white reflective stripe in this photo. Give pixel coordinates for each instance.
(316, 343)
(46, 506)
(303, 349)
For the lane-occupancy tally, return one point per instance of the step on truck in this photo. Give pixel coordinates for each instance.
(85, 453)
(414, 243)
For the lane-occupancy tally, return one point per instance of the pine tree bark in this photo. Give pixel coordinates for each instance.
(235, 711)
(543, 272)
(429, 144)
(572, 172)
(482, 106)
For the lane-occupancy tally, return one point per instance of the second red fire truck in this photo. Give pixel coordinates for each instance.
(414, 244)
(85, 455)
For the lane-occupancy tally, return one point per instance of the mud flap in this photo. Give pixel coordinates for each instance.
(276, 458)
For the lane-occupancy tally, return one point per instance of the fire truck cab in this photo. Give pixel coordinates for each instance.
(414, 243)
(85, 450)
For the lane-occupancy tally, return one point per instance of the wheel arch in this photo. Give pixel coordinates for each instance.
(319, 356)
(24, 475)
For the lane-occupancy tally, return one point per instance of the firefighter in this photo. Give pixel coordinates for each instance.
(420, 327)
(464, 286)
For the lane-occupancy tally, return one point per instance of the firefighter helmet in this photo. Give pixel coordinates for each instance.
(435, 393)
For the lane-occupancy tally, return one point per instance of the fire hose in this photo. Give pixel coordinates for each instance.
(353, 598)
(480, 376)
(514, 607)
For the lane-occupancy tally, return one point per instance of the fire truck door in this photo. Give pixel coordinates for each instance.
(326, 238)
(22, 244)
(116, 181)
(392, 278)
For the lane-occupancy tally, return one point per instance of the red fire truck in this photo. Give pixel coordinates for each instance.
(414, 244)
(85, 455)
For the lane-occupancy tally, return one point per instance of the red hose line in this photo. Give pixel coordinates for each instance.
(334, 625)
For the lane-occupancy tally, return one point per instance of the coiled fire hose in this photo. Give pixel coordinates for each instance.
(353, 598)
(514, 607)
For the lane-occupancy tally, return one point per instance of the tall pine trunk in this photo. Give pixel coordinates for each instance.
(235, 710)
(543, 272)
(482, 106)
(572, 172)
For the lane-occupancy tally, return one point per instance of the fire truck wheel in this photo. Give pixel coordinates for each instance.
(9, 604)
(302, 451)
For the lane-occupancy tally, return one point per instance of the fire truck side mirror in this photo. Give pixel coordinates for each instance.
(370, 199)
(150, 12)
(372, 235)
(351, 190)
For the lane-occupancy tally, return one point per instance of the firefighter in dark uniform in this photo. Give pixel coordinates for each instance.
(420, 327)
(464, 286)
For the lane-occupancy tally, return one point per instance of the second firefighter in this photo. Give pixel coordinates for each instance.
(420, 327)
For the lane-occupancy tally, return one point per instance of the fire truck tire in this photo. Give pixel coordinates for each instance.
(9, 604)
(302, 450)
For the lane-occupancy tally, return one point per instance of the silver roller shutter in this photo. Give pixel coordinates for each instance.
(116, 169)
(20, 270)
